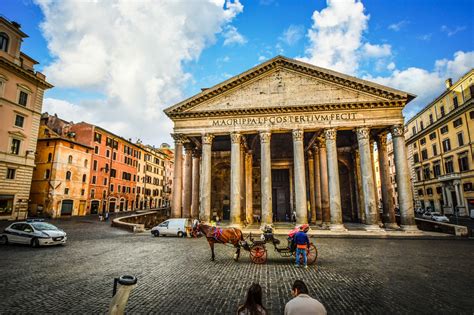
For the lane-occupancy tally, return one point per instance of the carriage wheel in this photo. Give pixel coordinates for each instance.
(312, 254)
(258, 254)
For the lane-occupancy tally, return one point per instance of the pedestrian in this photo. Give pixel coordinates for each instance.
(253, 304)
(294, 216)
(302, 244)
(302, 303)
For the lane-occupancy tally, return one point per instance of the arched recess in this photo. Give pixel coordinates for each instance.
(347, 188)
(220, 190)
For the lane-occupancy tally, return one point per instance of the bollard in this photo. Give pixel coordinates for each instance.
(123, 286)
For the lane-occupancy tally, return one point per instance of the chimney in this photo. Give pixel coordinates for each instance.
(449, 83)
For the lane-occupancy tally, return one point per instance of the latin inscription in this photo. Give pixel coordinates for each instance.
(281, 120)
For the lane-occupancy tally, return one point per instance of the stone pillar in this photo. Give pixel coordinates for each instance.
(195, 184)
(300, 178)
(377, 197)
(326, 216)
(266, 178)
(176, 203)
(235, 173)
(242, 179)
(333, 174)
(459, 193)
(317, 186)
(360, 191)
(370, 204)
(385, 184)
(312, 192)
(187, 179)
(405, 194)
(205, 185)
(445, 197)
(248, 185)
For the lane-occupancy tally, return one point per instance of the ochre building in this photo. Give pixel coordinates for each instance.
(440, 141)
(287, 136)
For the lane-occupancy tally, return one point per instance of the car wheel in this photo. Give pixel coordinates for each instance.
(3, 240)
(156, 233)
(35, 243)
(180, 234)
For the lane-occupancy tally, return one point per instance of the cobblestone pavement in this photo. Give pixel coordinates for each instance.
(176, 276)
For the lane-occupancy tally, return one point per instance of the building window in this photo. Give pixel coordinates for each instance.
(422, 141)
(50, 157)
(114, 156)
(421, 125)
(92, 193)
(15, 148)
(113, 172)
(429, 191)
(46, 174)
(94, 179)
(448, 164)
(439, 190)
(104, 192)
(416, 158)
(426, 173)
(436, 170)
(84, 178)
(4, 42)
(94, 165)
(414, 144)
(455, 102)
(435, 150)
(86, 162)
(424, 154)
(471, 114)
(11, 173)
(108, 142)
(69, 159)
(83, 192)
(457, 122)
(96, 150)
(442, 111)
(420, 192)
(23, 98)
(460, 139)
(432, 135)
(471, 90)
(446, 145)
(111, 187)
(118, 188)
(6, 204)
(68, 175)
(19, 121)
(431, 119)
(107, 153)
(97, 137)
(465, 186)
(66, 191)
(418, 174)
(463, 163)
(444, 129)
(105, 181)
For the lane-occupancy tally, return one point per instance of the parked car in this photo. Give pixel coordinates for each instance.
(419, 210)
(34, 233)
(427, 215)
(173, 227)
(436, 216)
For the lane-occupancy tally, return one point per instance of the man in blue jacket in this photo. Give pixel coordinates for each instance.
(302, 244)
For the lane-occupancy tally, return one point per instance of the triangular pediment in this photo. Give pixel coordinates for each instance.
(283, 83)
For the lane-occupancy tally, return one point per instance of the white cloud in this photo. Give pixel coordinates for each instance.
(427, 85)
(450, 32)
(133, 53)
(292, 34)
(232, 36)
(336, 40)
(397, 26)
(391, 66)
(262, 58)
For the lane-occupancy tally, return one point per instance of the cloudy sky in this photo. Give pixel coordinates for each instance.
(119, 63)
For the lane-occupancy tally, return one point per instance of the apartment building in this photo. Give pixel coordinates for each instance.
(21, 102)
(440, 140)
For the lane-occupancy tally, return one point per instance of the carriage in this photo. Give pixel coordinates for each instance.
(258, 251)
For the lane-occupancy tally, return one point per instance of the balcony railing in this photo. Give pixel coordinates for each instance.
(449, 177)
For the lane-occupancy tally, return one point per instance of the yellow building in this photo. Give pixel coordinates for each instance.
(440, 140)
(21, 101)
(61, 177)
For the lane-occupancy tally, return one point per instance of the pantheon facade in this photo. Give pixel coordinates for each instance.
(288, 137)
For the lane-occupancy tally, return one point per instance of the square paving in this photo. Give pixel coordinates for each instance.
(177, 276)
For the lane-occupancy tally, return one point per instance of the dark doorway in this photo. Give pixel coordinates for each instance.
(94, 207)
(66, 207)
(281, 195)
(346, 189)
(112, 206)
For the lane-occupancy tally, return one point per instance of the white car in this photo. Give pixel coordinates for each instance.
(173, 227)
(34, 233)
(427, 215)
(438, 217)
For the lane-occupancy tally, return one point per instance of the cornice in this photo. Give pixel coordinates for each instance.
(287, 109)
(25, 74)
(280, 62)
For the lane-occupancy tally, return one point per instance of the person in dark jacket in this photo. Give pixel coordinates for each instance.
(302, 244)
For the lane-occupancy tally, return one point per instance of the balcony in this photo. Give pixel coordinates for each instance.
(451, 176)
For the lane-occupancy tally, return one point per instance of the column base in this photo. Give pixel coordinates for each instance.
(392, 226)
(325, 225)
(337, 227)
(373, 228)
(319, 222)
(409, 228)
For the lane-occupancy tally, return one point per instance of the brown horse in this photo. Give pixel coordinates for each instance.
(219, 235)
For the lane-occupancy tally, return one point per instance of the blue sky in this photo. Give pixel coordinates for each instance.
(91, 52)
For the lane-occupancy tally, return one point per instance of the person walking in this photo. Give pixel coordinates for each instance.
(253, 304)
(302, 244)
(302, 303)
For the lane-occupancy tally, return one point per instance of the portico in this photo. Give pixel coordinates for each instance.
(288, 137)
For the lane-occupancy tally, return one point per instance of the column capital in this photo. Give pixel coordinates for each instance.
(207, 138)
(330, 133)
(310, 154)
(315, 147)
(265, 136)
(363, 133)
(456, 182)
(179, 138)
(382, 139)
(298, 134)
(235, 137)
(321, 142)
(397, 131)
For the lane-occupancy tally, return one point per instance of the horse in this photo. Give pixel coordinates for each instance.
(219, 235)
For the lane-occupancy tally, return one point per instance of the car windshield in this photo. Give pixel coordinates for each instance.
(42, 226)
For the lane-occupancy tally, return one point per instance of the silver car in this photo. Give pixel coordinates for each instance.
(34, 233)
